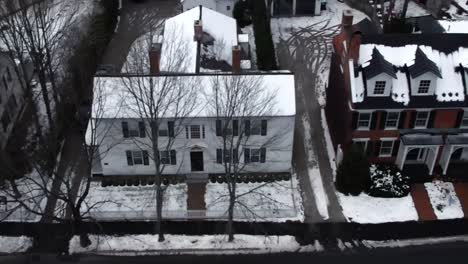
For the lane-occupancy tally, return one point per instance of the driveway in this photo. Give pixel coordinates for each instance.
(305, 52)
(136, 19)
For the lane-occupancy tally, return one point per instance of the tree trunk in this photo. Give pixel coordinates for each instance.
(405, 9)
(229, 228)
(159, 202)
(14, 187)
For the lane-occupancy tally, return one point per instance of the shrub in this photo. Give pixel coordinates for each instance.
(266, 58)
(388, 181)
(242, 13)
(352, 176)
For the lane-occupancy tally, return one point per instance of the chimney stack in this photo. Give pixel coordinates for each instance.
(347, 19)
(236, 58)
(154, 58)
(198, 30)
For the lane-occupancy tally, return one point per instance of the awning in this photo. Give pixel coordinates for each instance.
(422, 140)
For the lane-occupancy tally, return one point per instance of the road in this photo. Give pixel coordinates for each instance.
(305, 52)
(432, 254)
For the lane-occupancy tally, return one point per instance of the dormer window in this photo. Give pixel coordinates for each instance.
(380, 87)
(424, 86)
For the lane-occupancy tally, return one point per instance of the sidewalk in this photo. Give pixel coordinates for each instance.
(422, 203)
(462, 192)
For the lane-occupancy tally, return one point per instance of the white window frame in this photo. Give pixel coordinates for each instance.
(464, 118)
(365, 140)
(139, 152)
(133, 126)
(382, 141)
(384, 87)
(396, 122)
(359, 120)
(257, 153)
(420, 86)
(425, 122)
(195, 130)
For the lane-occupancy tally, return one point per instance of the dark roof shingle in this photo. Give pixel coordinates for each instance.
(378, 65)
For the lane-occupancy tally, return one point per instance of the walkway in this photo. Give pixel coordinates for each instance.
(137, 18)
(462, 193)
(422, 203)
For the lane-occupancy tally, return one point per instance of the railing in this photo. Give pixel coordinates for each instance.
(192, 214)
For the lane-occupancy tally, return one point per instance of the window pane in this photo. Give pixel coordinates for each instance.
(164, 157)
(137, 157)
(255, 127)
(255, 155)
(424, 86)
(379, 87)
(392, 119)
(386, 147)
(195, 131)
(421, 119)
(364, 119)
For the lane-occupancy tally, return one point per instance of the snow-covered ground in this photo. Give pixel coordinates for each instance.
(277, 201)
(135, 202)
(180, 244)
(321, 197)
(444, 200)
(455, 26)
(367, 209)
(413, 242)
(414, 10)
(10, 245)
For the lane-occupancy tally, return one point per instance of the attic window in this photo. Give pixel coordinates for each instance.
(379, 87)
(424, 86)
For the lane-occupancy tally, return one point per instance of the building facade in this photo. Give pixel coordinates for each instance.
(401, 98)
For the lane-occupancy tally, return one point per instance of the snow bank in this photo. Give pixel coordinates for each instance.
(444, 200)
(277, 201)
(9, 245)
(181, 244)
(367, 209)
(413, 242)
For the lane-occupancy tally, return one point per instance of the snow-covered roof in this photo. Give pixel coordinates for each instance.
(449, 87)
(114, 100)
(414, 10)
(454, 26)
(221, 28)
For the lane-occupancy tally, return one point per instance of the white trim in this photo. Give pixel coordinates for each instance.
(397, 121)
(427, 119)
(382, 140)
(359, 118)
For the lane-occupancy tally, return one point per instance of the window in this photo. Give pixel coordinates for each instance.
(464, 121)
(195, 131)
(421, 119)
(392, 120)
(133, 129)
(228, 8)
(255, 127)
(364, 120)
(137, 157)
(5, 120)
(254, 155)
(424, 86)
(163, 132)
(386, 148)
(379, 87)
(227, 154)
(167, 157)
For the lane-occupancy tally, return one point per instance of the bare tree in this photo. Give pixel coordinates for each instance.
(157, 101)
(243, 105)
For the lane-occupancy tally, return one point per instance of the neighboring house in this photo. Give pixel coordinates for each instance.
(11, 98)
(401, 97)
(197, 149)
(222, 6)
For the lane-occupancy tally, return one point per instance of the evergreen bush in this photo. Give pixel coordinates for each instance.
(352, 176)
(388, 181)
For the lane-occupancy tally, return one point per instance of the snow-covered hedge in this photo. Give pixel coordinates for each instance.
(388, 181)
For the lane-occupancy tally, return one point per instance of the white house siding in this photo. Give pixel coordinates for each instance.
(278, 152)
(222, 6)
(14, 88)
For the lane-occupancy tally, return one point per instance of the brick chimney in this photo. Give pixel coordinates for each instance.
(347, 19)
(154, 58)
(198, 30)
(236, 58)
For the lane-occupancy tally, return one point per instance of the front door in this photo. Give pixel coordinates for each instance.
(196, 160)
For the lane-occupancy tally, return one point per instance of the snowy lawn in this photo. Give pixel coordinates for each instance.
(444, 200)
(131, 202)
(413, 242)
(276, 201)
(9, 245)
(181, 244)
(367, 209)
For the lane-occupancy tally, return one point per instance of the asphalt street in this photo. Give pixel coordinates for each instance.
(441, 253)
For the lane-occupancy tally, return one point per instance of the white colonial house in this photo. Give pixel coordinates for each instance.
(196, 151)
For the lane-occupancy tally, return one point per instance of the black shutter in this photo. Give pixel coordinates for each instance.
(264, 128)
(247, 127)
(173, 157)
(370, 148)
(141, 127)
(383, 119)
(378, 144)
(401, 122)
(459, 118)
(218, 127)
(170, 128)
(246, 155)
(235, 127)
(262, 155)
(145, 157)
(219, 156)
(412, 118)
(125, 129)
(373, 123)
(235, 156)
(129, 158)
(430, 122)
(355, 120)
(396, 146)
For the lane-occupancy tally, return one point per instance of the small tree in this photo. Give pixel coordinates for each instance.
(266, 58)
(352, 176)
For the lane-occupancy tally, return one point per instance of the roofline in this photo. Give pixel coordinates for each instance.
(195, 74)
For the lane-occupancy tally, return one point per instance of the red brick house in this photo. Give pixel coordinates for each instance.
(401, 97)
